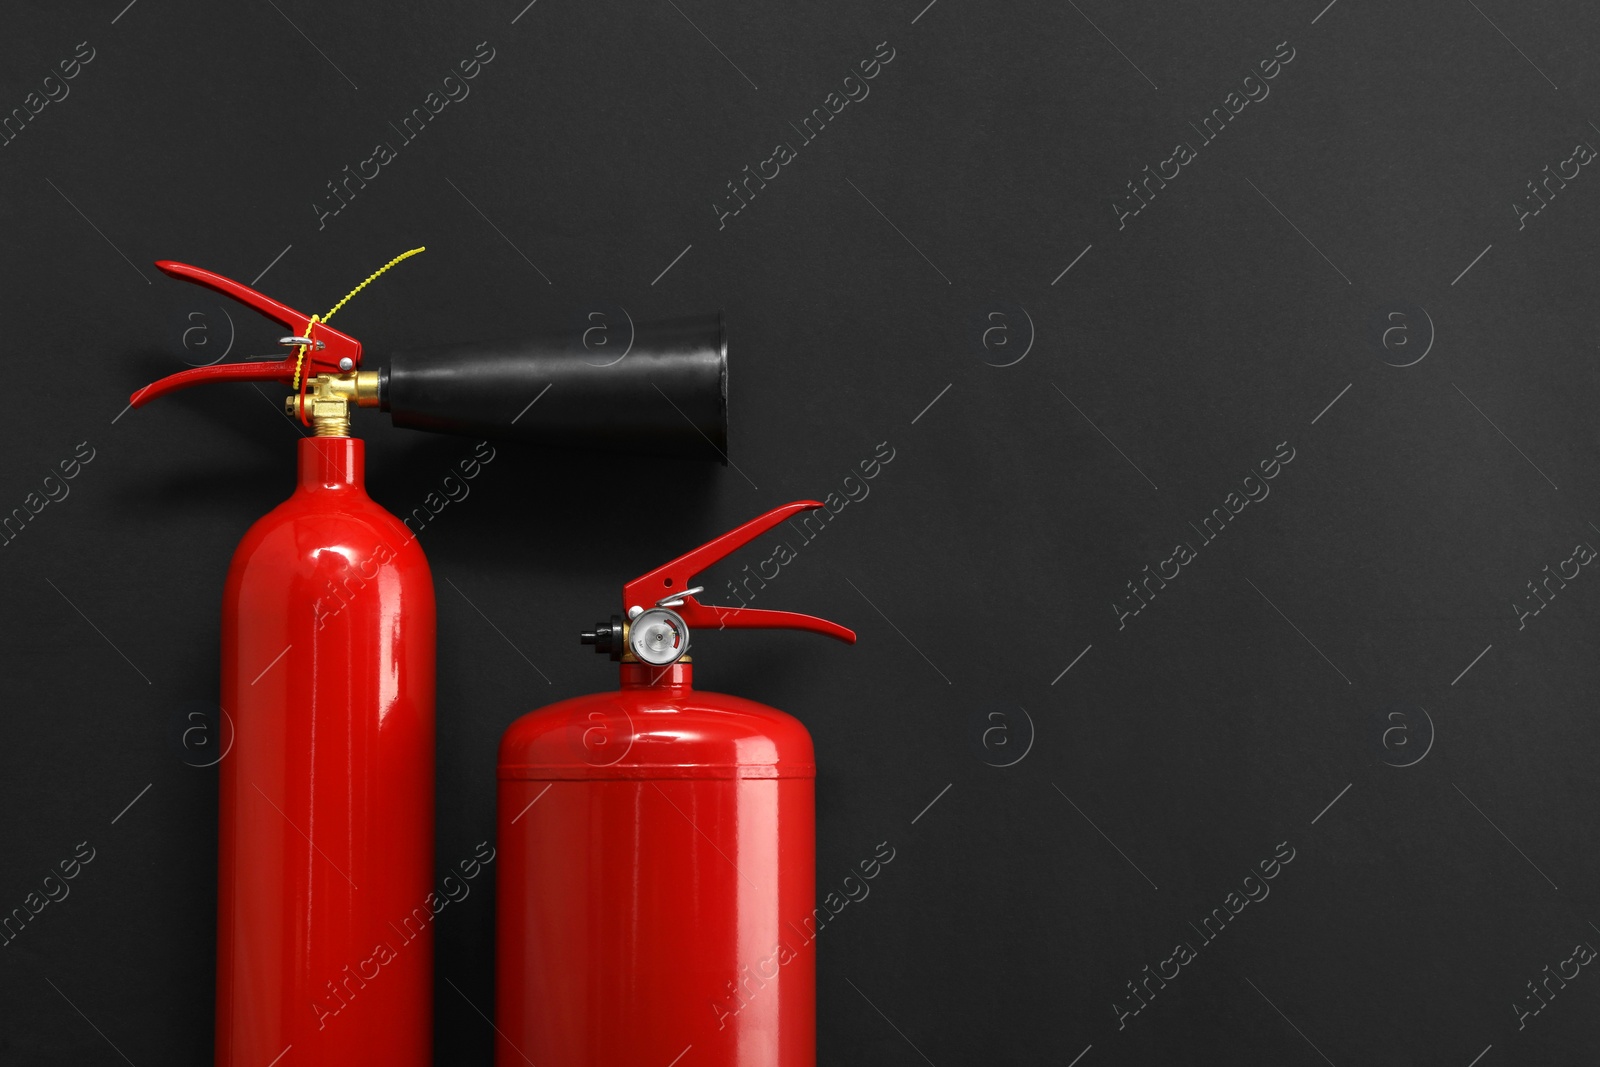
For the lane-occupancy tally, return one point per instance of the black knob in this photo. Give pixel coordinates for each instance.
(606, 637)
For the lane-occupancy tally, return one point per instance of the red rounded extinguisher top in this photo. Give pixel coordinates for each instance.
(658, 731)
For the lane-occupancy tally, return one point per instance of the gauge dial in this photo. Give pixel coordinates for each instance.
(658, 637)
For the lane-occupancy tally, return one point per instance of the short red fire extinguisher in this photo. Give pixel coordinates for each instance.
(657, 847)
(325, 856)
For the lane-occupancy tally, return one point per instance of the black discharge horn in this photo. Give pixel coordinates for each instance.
(662, 388)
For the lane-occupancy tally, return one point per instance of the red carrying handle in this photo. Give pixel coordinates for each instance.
(671, 579)
(325, 357)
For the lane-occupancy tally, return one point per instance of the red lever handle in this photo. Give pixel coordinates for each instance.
(332, 348)
(670, 579)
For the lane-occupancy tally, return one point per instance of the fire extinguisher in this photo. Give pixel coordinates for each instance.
(656, 872)
(325, 852)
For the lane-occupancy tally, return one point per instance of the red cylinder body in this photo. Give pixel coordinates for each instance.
(324, 924)
(656, 881)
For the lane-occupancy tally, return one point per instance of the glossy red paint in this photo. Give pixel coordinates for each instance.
(332, 348)
(657, 862)
(672, 579)
(324, 931)
(657, 857)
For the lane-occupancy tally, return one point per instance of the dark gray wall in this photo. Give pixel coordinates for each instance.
(1349, 673)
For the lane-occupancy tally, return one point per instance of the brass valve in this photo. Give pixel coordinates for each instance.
(328, 400)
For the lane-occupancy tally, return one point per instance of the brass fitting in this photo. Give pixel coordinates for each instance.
(328, 400)
(366, 388)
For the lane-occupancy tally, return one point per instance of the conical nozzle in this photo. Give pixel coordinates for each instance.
(661, 391)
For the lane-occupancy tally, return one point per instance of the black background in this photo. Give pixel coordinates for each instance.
(1176, 353)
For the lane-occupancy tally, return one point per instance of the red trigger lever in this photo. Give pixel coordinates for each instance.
(328, 353)
(669, 581)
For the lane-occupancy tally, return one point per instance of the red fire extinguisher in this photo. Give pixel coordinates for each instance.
(325, 855)
(656, 874)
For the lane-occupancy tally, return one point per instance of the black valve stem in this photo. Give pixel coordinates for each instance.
(606, 637)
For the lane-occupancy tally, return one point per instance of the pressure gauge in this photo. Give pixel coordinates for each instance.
(658, 636)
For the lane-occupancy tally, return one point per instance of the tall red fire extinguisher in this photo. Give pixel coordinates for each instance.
(656, 849)
(325, 854)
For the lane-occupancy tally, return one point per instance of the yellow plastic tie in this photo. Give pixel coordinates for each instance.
(370, 279)
(301, 357)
